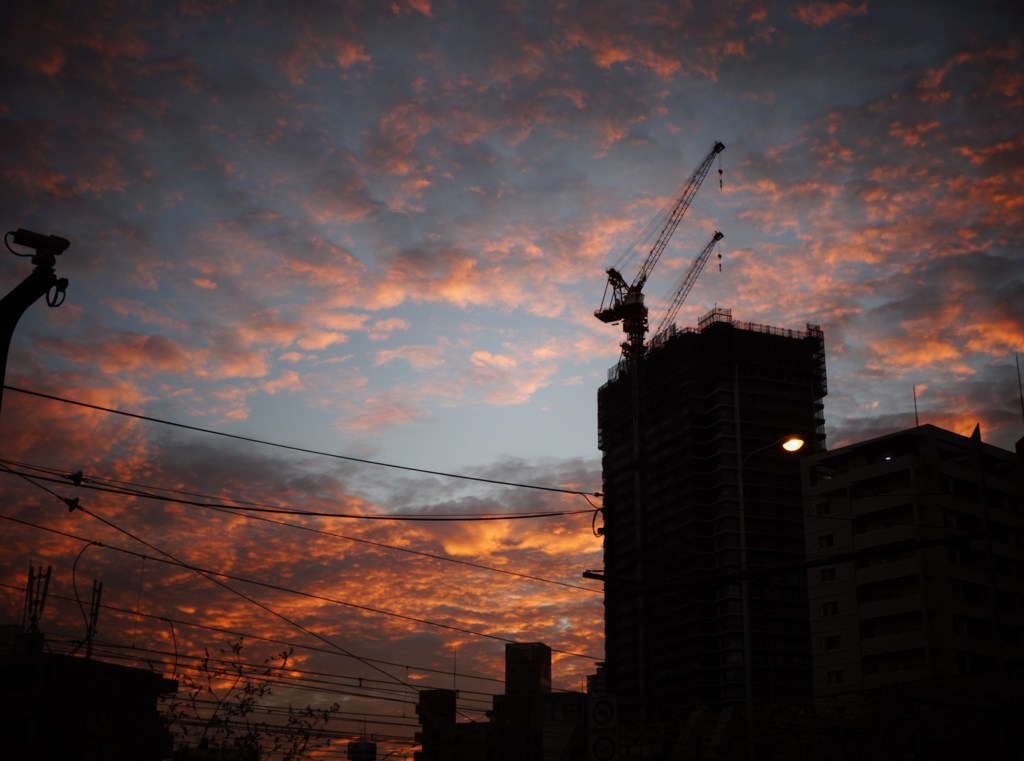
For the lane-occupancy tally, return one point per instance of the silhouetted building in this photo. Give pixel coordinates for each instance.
(527, 668)
(58, 707)
(671, 464)
(916, 578)
(439, 733)
(927, 530)
(361, 750)
(250, 753)
(528, 722)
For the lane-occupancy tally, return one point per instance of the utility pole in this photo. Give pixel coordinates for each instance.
(41, 281)
(35, 597)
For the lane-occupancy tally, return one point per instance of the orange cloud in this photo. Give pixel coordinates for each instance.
(49, 62)
(289, 381)
(997, 335)
(35, 183)
(392, 146)
(911, 135)
(505, 388)
(497, 361)
(321, 47)
(377, 413)
(382, 329)
(915, 353)
(420, 357)
(143, 355)
(311, 339)
(402, 7)
(978, 154)
(822, 14)
(227, 361)
(348, 53)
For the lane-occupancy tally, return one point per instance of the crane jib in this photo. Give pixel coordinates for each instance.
(627, 303)
(685, 285)
(678, 211)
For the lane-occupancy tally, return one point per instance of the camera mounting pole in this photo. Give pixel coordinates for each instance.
(41, 281)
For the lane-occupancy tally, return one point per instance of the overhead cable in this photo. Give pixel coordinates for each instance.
(246, 635)
(58, 475)
(304, 450)
(84, 482)
(287, 590)
(73, 505)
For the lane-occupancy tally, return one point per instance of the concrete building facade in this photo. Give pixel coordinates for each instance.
(916, 547)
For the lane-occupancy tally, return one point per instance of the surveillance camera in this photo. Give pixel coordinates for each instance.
(51, 244)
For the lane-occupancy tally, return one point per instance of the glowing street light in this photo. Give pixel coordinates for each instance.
(792, 443)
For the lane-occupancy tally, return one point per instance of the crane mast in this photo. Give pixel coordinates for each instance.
(627, 305)
(627, 299)
(685, 285)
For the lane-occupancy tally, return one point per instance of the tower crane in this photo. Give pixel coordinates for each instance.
(627, 300)
(685, 285)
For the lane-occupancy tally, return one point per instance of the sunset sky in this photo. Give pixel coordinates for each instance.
(380, 230)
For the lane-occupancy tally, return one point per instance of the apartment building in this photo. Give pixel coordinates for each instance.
(915, 543)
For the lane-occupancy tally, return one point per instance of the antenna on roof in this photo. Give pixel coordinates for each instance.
(916, 421)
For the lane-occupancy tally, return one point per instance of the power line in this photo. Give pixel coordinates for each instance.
(79, 478)
(246, 635)
(83, 482)
(362, 682)
(432, 556)
(209, 575)
(75, 505)
(276, 587)
(255, 673)
(292, 448)
(252, 672)
(248, 508)
(110, 651)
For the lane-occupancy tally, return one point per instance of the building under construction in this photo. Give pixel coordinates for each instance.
(687, 432)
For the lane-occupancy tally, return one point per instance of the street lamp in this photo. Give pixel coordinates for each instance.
(788, 444)
(42, 280)
(791, 443)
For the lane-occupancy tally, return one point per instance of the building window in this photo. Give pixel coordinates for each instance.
(825, 540)
(830, 608)
(968, 591)
(896, 660)
(888, 626)
(832, 641)
(834, 677)
(972, 627)
(828, 574)
(888, 589)
(974, 663)
(824, 508)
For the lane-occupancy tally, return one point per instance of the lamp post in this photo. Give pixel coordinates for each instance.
(788, 444)
(41, 281)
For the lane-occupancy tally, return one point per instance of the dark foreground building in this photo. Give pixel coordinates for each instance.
(528, 721)
(916, 552)
(58, 707)
(710, 404)
(926, 528)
